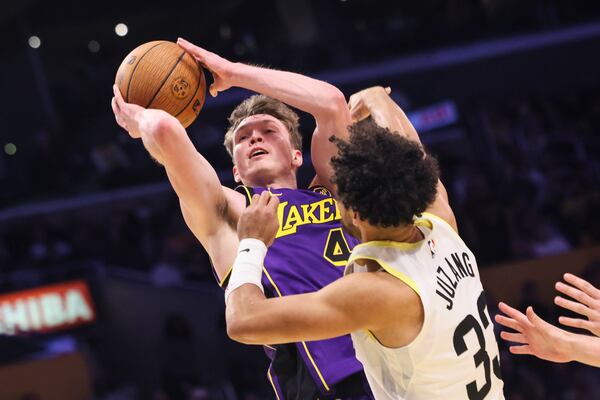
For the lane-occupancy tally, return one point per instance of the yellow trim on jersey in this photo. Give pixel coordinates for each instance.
(303, 343)
(439, 219)
(271, 280)
(424, 222)
(248, 194)
(443, 221)
(389, 243)
(371, 335)
(315, 366)
(272, 384)
(222, 281)
(403, 277)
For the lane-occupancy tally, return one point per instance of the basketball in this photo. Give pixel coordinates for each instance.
(162, 75)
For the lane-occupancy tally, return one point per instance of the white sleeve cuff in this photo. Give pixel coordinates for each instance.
(248, 265)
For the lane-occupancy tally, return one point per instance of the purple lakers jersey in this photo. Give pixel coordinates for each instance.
(310, 251)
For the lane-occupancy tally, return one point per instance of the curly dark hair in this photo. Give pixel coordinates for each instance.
(383, 176)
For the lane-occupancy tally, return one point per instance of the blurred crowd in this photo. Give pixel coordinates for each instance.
(540, 192)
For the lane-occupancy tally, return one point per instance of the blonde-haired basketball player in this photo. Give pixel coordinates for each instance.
(411, 295)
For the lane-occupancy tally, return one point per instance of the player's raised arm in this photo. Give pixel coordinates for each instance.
(376, 103)
(207, 206)
(323, 101)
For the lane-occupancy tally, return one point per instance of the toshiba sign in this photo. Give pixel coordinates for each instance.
(46, 309)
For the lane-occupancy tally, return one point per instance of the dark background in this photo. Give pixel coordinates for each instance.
(79, 198)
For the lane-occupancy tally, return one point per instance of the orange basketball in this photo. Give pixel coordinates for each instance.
(162, 75)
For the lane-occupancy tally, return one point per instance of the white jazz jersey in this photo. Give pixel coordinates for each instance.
(455, 355)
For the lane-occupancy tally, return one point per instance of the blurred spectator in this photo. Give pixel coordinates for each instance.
(179, 360)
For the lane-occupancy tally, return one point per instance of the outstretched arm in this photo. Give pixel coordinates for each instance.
(358, 301)
(376, 103)
(206, 205)
(323, 101)
(538, 338)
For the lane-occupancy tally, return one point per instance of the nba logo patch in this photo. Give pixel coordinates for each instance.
(431, 244)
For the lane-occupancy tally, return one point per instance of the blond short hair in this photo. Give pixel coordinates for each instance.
(260, 104)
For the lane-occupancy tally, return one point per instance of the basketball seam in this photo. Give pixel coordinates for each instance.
(165, 80)
(134, 68)
(194, 95)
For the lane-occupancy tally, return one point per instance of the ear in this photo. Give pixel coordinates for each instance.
(296, 158)
(236, 175)
(356, 220)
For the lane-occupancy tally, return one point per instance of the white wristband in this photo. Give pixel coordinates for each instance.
(247, 267)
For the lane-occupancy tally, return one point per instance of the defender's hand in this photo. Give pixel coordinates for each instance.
(126, 114)
(364, 103)
(259, 219)
(533, 335)
(220, 68)
(587, 304)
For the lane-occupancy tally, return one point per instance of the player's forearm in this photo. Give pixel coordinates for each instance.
(584, 348)
(313, 96)
(158, 128)
(192, 177)
(388, 114)
(254, 319)
(244, 321)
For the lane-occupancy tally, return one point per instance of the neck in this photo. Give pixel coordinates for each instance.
(404, 234)
(288, 181)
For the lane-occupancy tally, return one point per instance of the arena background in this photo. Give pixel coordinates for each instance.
(504, 92)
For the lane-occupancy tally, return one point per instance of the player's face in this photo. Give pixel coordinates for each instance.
(262, 150)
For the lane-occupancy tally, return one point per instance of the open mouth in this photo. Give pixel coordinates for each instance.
(257, 152)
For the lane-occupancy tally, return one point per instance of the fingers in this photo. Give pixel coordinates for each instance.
(212, 89)
(525, 349)
(273, 203)
(118, 96)
(358, 111)
(582, 285)
(573, 293)
(513, 337)
(264, 200)
(117, 112)
(191, 48)
(572, 305)
(508, 322)
(388, 90)
(534, 319)
(114, 106)
(575, 323)
(514, 314)
(254, 201)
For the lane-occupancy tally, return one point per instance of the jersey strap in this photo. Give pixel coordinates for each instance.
(247, 191)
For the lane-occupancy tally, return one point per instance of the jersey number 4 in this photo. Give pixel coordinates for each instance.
(481, 357)
(336, 249)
